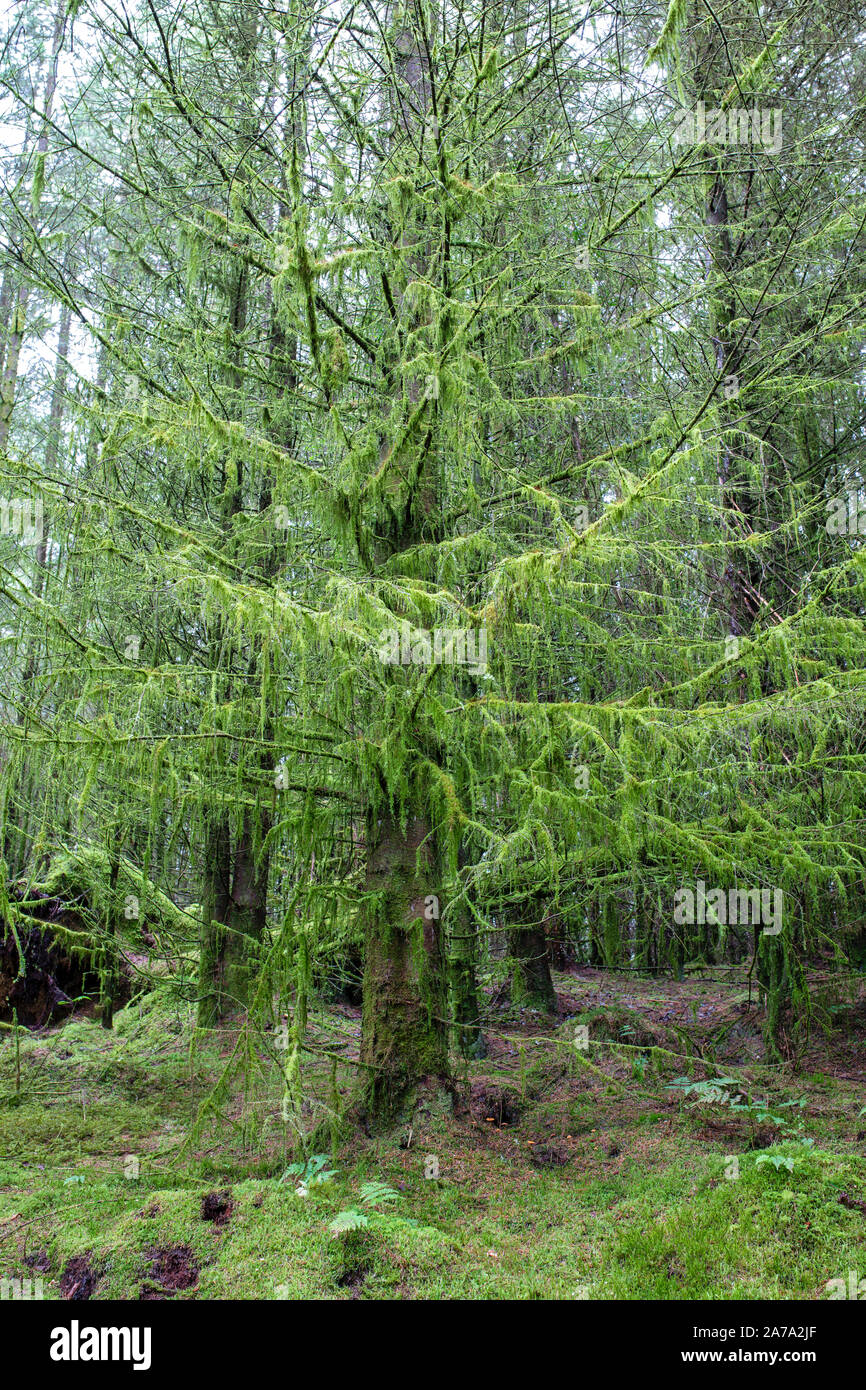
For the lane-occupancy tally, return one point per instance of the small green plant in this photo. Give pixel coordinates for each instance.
(373, 1194)
(758, 1112)
(639, 1066)
(726, 1091)
(710, 1092)
(313, 1173)
(789, 1161)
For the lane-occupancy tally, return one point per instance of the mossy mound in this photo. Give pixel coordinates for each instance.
(615, 1023)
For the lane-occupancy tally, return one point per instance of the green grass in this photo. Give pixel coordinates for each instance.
(640, 1208)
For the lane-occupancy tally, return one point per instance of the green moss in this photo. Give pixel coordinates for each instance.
(639, 1209)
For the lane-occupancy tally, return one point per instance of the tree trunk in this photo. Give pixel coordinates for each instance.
(215, 915)
(466, 1005)
(404, 1034)
(531, 982)
(108, 987)
(247, 918)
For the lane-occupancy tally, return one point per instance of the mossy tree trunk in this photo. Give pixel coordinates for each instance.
(233, 923)
(466, 1005)
(215, 915)
(109, 980)
(531, 981)
(404, 1030)
(463, 979)
(404, 1027)
(610, 924)
(246, 921)
(236, 875)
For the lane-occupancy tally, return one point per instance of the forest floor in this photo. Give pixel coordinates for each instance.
(566, 1171)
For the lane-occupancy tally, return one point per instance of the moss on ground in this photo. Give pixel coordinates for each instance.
(606, 1184)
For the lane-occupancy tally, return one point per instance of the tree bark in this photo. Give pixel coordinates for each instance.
(404, 1033)
(212, 1002)
(531, 981)
(404, 1029)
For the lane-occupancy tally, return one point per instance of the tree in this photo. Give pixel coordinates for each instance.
(440, 537)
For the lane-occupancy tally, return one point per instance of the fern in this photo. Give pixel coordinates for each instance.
(374, 1194)
(312, 1173)
(350, 1220)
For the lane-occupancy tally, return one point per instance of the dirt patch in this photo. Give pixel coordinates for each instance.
(761, 1139)
(499, 1104)
(217, 1207)
(78, 1280)
(171, 1268)
(352, 1278)
(550, 1156)
(38, 1261)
